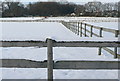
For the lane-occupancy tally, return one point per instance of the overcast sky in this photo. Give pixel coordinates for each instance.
(75, 1)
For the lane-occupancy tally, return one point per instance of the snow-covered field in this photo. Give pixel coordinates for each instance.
(88, 19)
(22, 18)
(32, 73)
(42, 30)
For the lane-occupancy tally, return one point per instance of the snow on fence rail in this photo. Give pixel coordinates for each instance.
(23, 63)
(50, 64)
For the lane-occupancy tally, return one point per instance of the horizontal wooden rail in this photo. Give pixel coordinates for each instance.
(22, 63)
(104, 29)
(110, 51)
(80, 27)
(75, 24)
(23, 44)
(90, 32)
(60, 44)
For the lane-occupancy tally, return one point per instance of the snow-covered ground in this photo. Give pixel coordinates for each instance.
(60, 53)
(88, 19)
(33, 73)
(22, 18)
(42, 30)
(36, 31)
(110, 25)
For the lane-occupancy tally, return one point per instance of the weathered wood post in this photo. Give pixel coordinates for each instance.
(67, 25)
(70, 26)
(91, 30)
(81, 30)
(101, 32)
(50, 59)
(85, 31)
(116, 33)
(115, 50)
(100, 51)
(78, 28)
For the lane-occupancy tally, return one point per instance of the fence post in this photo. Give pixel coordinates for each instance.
(116, 33)
(50, 59)
(99, 50)
(91, 30)
(101, 32)
(81, 30)
(85, 30)
(78, 28)
(69, 26)
(115, 50)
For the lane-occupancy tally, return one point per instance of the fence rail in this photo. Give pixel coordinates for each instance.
(50, 64)
(49, 43)
(80, 26)
(60, 43)
(81, 29)
(70, 64)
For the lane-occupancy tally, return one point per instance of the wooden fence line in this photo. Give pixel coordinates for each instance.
(99, 44)
(101, 29)
(80, 29)
(111, 52)
(104, 29)
(67, 64)
(60, 43)
(50, 64)
(49, 43)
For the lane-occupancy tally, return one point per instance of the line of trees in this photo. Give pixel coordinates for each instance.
(50, 9)
(17, 9)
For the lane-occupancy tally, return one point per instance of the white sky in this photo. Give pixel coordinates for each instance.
(76, 1)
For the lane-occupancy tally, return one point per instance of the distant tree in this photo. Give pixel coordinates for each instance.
(79, 10)
(58, 8)
(50, 8)
(13, 9)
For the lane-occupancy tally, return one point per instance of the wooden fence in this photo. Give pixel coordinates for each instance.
(81, 29)
(77, 28)
(50, 64)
